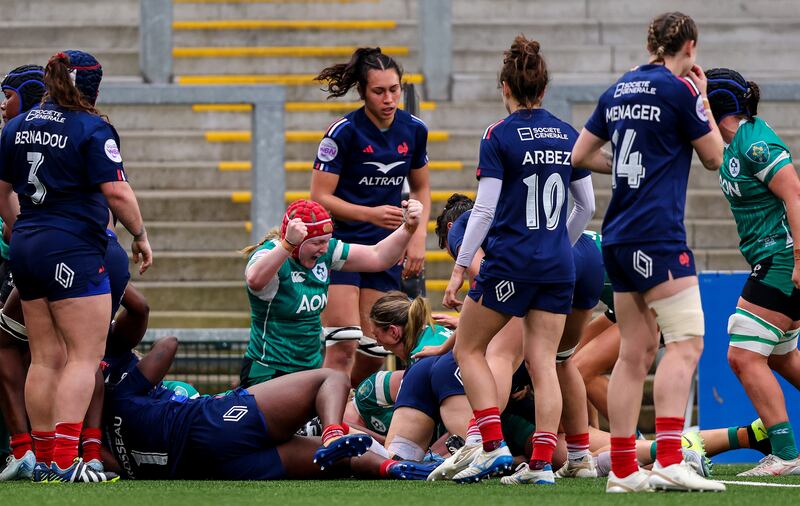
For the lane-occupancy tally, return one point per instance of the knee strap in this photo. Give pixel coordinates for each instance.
(13, 328)
(680, 316)
(563, 356)
(333, 335)
(370, 347)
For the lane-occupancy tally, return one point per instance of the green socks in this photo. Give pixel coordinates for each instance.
(781, 437)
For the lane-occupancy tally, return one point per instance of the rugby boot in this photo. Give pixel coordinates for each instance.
(19, 469)
(455, 463)
(486, 464)
(79, 472)
(772, 465)
(524, 475)
(681, 477)
(351, 445)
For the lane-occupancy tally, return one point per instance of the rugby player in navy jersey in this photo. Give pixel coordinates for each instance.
(654, 116)
(63, 161)
(358, 175)
(524, 171)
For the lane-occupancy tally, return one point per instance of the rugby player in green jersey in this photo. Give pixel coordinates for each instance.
(763, 190)
(287, 279)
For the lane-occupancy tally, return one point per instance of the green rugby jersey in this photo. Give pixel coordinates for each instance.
(285, 326)
(750, 162)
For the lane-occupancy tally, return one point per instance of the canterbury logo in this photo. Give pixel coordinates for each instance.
(385, 168)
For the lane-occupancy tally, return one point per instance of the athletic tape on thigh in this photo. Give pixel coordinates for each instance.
(334, 335)
(680, 316)
(788, 343)
(370, 347)
(752, 333)
(406, 449)
(562, 356)
(13, 327)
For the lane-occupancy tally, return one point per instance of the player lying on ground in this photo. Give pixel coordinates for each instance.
(245, 434)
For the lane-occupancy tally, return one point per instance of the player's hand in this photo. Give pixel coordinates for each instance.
(141, 251)
(796, 276)
(456, 280)
(296, 231)
(389, 217)
(414, 257)
(412, 212)
(698, 77)
(445, 320)
(430, 351)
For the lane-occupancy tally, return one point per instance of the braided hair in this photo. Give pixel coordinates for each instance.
(456, 205)
(729, 93)
(27, 82)
(340, 78)
(668, 32)
(524, 71)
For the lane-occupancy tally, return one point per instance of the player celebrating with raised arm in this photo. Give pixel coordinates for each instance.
(287, 282)
(761, 185)
(528, 269)
(653, 116)
(63, 161)
(358, 175)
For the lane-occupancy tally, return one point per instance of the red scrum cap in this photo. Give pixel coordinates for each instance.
(317, 220)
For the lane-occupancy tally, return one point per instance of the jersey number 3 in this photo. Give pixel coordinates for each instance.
(552, 201)
(36, 159)
(626, 163)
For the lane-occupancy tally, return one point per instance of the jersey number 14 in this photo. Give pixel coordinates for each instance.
(627, 163)
(552, 201)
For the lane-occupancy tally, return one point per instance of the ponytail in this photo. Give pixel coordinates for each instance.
(395, 308)
(60, 87)
(752, 97)
(275, 233)
(340, 78)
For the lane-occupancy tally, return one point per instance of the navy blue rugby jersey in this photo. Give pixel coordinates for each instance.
(531, 151)
(146, 425)
(455, 236)
(371, 165)
(650, 116)
(55, 159)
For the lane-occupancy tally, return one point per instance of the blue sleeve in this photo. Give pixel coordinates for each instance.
(690, 110)
(455, 236)
(421, 146)
(6, 167)
(578, 174)
(333, 148)
(104, 161)
(596, 124)
(490, 163)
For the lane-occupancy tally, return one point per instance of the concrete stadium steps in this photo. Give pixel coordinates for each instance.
(272, 64)
(272, 32)
(199, 319)
(311, 9)
(622, 9)
(115, 62)
(185, 176)
(87, 11)
(70, 34)
(202, 236)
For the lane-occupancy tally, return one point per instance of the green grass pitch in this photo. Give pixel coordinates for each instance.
(382, 493)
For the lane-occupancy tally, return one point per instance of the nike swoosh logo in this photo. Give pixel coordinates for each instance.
(385, 168)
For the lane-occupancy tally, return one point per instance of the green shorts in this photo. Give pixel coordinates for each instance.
(517, 432)
(254, 373)
(374, 403)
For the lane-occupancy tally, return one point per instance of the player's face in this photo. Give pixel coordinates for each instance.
(382, 94)
(10, 105)
(312, 249)
(388, 337)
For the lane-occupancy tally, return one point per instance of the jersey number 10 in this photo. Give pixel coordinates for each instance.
(36, 159)
(552, 201)
(626, 163)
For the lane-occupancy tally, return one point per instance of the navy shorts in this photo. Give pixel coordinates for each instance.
(385, 281)
(516, 298)
(640, 267)
(57, 265)
(116, 262)
(429, 382)
(229, 440)
(589, 273)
